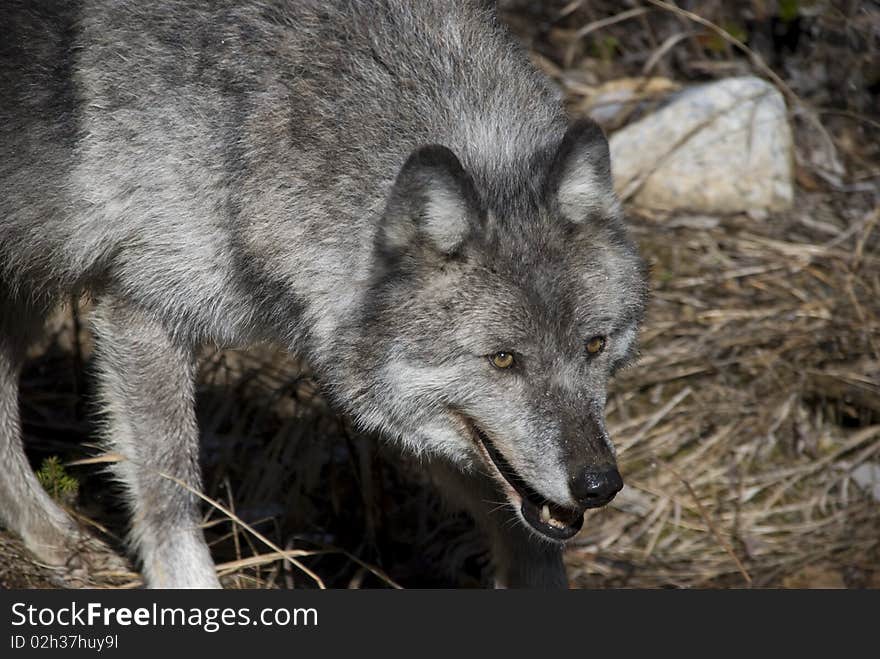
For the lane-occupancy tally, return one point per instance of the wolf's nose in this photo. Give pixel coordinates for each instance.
(596, 487)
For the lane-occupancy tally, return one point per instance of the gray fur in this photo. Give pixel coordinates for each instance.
(234, 172)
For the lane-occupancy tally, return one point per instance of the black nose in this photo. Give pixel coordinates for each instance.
(596, 487)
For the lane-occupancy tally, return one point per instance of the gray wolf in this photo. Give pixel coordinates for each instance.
(388, 188)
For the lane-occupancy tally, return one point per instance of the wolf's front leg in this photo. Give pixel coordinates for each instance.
(521, 559)
(77, 558)
(146, 386)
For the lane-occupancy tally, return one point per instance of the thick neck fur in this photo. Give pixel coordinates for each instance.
(209, 147)
(386, 81)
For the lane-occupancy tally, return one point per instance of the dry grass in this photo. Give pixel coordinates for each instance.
(757, 394)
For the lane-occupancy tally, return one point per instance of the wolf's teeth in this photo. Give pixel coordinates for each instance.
(545, 514)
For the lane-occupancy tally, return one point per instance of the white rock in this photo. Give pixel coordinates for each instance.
(867, 475)
(724, 147)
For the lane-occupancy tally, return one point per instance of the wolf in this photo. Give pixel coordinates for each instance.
(388, 188)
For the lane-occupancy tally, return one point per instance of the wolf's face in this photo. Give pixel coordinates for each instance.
(492, 329)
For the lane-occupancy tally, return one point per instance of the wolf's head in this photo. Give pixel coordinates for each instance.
(494, 322)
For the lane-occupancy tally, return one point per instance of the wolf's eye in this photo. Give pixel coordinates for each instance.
(596, 345)
(502, 360)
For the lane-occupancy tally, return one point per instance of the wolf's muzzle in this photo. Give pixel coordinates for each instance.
(551, 520)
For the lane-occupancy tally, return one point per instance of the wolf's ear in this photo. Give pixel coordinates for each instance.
(433, 202)
(580, 176)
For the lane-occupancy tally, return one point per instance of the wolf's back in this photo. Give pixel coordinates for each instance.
(191, 137)
(39, 119)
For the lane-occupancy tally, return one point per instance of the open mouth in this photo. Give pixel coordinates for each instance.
(547, 518)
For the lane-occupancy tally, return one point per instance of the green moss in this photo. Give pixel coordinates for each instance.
(718, 44)
(788, 10)
(606, 48)
(60, 485)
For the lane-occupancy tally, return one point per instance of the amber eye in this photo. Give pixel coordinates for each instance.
(596, 345)
(502, 360)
